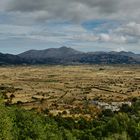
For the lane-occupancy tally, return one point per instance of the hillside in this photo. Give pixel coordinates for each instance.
(62, 52)
(65, 55)
(9, 59)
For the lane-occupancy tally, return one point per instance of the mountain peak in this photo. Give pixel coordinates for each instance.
(67, 55)
(64, 47)
(50, 53)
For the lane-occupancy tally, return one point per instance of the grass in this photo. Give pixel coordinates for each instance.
(68, 87)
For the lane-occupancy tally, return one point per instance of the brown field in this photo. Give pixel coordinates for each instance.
(69, 90)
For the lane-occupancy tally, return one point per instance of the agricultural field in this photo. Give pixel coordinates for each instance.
(70, 91)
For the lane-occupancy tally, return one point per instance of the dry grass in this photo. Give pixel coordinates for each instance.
(70, 88)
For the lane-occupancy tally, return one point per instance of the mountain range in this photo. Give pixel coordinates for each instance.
(65, 55)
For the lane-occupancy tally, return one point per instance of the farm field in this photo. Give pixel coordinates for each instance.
(70, 91)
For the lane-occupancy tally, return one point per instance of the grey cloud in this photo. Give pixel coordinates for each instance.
(32, 12)
(77, 9)
(33, 5)
(26, 5)
(107, 6)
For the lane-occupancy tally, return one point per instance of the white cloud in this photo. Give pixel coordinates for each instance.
(105, 37)
(120, 49)
(131, 29)
(112, 38)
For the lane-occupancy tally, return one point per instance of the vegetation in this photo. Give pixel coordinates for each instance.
(19, 124)
(69, 88)
(75, 103)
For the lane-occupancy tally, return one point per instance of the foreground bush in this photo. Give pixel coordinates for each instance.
(20, 124)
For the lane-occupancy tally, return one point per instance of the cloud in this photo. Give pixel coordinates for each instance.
(113, 38)
(131, 29)
(72, 22)
(75, 10)
(120, 49)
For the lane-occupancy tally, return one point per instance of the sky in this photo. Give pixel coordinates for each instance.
(85, 25)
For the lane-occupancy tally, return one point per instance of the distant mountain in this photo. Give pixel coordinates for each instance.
(107, 58)
(65, 55)
(130, 54)
(62, 52)
(6, 59)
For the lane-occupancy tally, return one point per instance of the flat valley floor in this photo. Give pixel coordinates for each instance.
(69, 90)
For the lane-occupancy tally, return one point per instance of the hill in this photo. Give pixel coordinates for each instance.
(9, 59)
(65, 55)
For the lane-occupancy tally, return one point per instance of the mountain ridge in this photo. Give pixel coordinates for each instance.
(51, 53)
(67, 55)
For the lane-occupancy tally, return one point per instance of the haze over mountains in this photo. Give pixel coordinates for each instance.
(65, 55)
